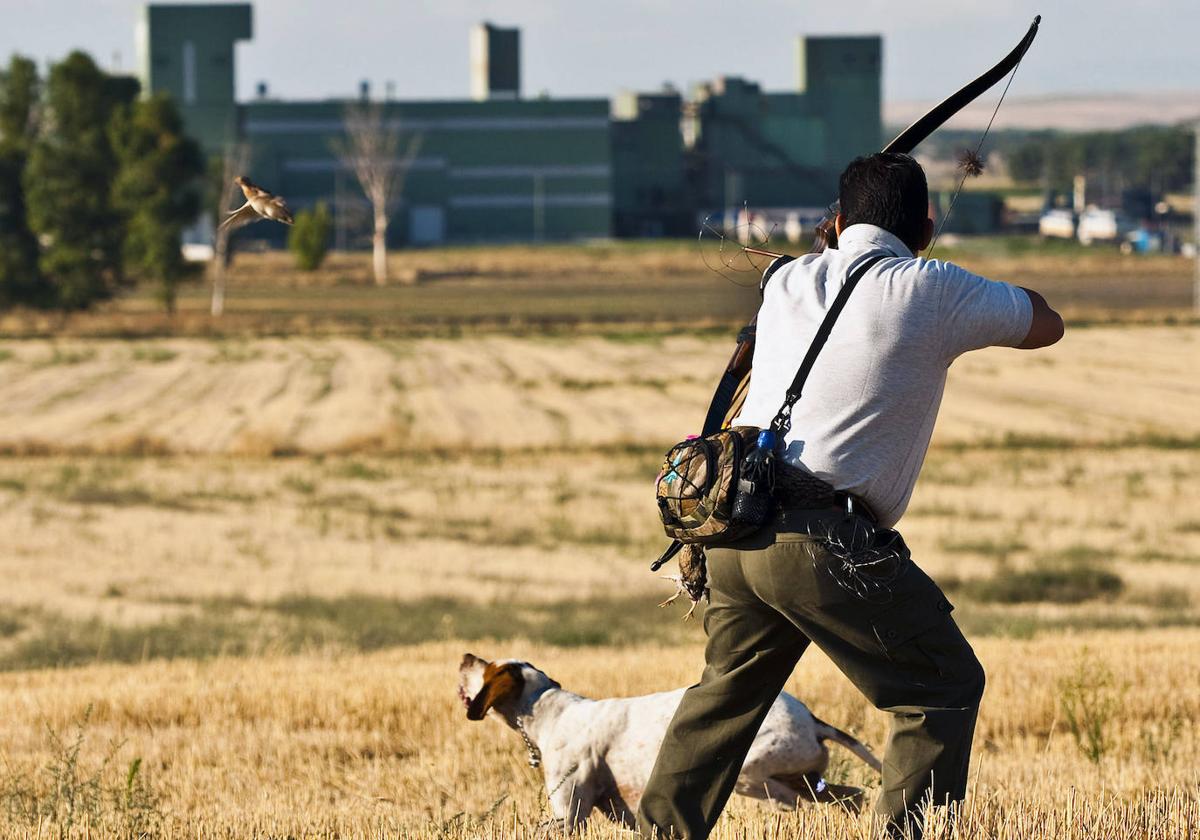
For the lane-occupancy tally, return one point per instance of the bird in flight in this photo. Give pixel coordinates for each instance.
(260, 204)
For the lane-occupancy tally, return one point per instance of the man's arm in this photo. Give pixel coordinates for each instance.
(1046, 327)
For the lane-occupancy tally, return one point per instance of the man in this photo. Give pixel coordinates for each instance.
(863, 425)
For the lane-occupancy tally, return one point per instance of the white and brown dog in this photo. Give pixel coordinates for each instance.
(599, 753)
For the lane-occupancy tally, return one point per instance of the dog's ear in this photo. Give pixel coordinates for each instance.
(470, 659)
(500, 682)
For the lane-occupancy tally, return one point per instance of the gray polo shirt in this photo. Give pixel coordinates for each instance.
(867, 414)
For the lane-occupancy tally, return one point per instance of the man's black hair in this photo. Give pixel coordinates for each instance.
(886, 189)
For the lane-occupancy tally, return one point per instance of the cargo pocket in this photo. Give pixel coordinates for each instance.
(914, 634)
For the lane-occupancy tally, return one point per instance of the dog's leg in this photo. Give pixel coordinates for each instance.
(572, 803)
(617, 810)
(579, 809)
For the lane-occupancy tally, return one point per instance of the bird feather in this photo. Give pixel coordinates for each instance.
(244, 215)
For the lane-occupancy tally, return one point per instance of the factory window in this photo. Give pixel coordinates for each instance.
(189, 72)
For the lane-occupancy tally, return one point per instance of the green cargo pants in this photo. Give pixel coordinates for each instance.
(771, 596)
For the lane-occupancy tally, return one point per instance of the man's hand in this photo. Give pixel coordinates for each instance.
(1047, 325)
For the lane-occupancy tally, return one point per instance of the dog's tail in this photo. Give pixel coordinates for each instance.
(825, 732)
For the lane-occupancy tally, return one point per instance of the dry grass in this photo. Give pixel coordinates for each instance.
(227, 545)
(514, 477)
(379, 745)
(320, 396)
(312, 529)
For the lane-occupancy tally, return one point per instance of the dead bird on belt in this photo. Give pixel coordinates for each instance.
(692, 579)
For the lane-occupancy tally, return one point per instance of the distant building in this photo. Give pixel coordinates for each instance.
(498, 167)
(495, 63)
(485, 171)
(187, 51)
(787, 149)
(651, 194)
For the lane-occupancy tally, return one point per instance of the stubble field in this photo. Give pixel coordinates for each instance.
(240, 572)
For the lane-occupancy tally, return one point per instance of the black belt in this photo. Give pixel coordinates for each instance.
(798, 489)
(799, 520)
(801, 490)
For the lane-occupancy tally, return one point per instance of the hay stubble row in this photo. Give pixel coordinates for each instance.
(288, 501)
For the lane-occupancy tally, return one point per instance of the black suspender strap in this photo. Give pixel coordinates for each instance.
(783, 419)
(776, 264)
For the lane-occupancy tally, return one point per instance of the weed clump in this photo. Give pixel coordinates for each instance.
(75, 791)
(1090, 698)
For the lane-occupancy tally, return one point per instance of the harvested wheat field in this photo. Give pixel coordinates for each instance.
(240, 573)
(504, 392)
(1080, 737)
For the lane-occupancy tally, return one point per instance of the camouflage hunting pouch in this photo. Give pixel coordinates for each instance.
(697, 490)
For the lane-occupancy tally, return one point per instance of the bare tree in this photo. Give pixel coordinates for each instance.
(234, 162)
(372, 150)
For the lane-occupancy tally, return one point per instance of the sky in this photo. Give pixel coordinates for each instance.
(317, 48)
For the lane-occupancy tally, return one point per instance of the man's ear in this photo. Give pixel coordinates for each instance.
(926, 235)
(839, 224)
(500, 682)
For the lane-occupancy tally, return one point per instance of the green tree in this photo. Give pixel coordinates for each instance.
(309, 237)
(1157, 159)
(156, 191)
(1027, 161)
(20, 280)
(68, 183)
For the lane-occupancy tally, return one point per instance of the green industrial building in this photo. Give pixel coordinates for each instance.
(495, 170)
(499, 167)
(652, 195)
(787, 149)
(187, 51)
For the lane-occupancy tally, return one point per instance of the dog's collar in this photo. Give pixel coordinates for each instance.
(535, 755)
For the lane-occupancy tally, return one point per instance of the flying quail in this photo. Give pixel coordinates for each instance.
(260, 204)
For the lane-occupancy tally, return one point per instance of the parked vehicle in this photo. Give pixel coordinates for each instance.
(1057, 224)
(1097, 225)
